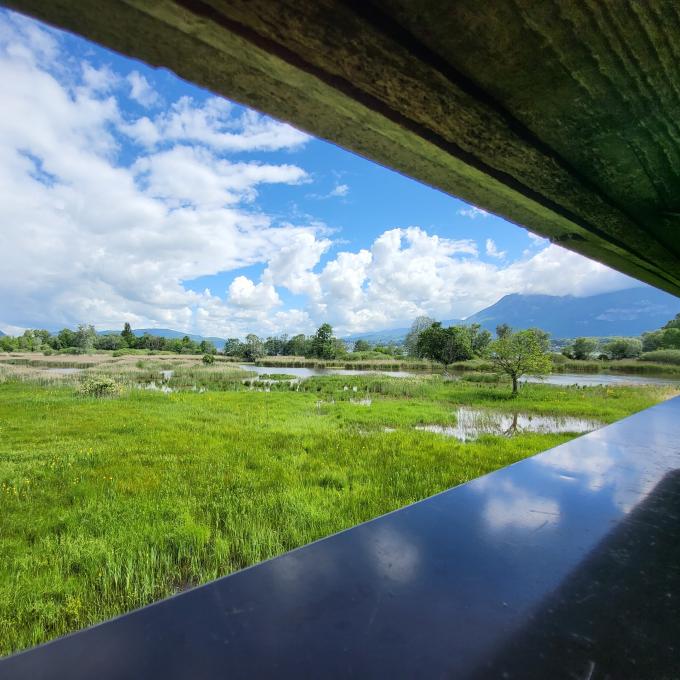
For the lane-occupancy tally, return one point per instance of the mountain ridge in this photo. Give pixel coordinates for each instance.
(628, 312)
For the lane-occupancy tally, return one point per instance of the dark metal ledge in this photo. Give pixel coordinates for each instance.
(565, 565)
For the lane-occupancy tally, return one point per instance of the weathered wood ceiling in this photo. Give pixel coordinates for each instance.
(561, 116)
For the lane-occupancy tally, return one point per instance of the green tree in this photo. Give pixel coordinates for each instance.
(502, 330)
(29, 341)
(673, 323)
(66, 338)
(207, 347)
(623, 348)
(86, 336)
(671, 338)
(652, 340)
(581, 348)
(362, 346)
(323, 346)
(254, 348)
(298, 346)
(480, 339)
(445, 345)
(233, 347)
(420, 324)
(339, 348)
(275, 346)
(128, 335)
(520, 353)
(110, 341)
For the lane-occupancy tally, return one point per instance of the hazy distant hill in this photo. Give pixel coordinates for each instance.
(169, 333)
(624, 312)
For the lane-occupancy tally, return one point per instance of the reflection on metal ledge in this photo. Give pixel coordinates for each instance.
(566, 564)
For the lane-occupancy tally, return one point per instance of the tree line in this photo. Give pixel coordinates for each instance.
(85, 339)
(666, 337)
(321, 345)
(513, 353)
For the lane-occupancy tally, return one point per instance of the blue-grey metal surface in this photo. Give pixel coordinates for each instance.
(566, 564)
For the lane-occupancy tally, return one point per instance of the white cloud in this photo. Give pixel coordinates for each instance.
(291, 265)
(244, 293)
(193, 175)
(141, 91)
(473, 212)
(492, 250)
(212, 124)
(516, 508)
(99, 80)
(339, 190)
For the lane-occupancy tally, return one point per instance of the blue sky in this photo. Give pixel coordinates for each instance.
(127, 194)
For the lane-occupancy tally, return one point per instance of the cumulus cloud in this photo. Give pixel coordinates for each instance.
(244, 293)
(193, 175)
(141, 91)
(408, 272)
(213, 124)
(492, 250)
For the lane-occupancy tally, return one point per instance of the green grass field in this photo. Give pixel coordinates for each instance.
(109, 504)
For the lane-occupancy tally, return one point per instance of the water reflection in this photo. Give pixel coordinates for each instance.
(513, 506)
(395, 557)
(471, 423)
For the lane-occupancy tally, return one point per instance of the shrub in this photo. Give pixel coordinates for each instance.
(623, 348)
(208, 359)
(101, 386)
(663, 356)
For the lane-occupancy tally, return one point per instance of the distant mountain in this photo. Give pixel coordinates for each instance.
(627, 312)
(169, 333)
(1, 333)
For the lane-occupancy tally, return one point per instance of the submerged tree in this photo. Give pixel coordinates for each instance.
(521, 353)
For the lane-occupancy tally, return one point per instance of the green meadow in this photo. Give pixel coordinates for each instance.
(108, 504)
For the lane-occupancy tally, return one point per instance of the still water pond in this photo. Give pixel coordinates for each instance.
(580, 379)
(311, 372)
(471, 423)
